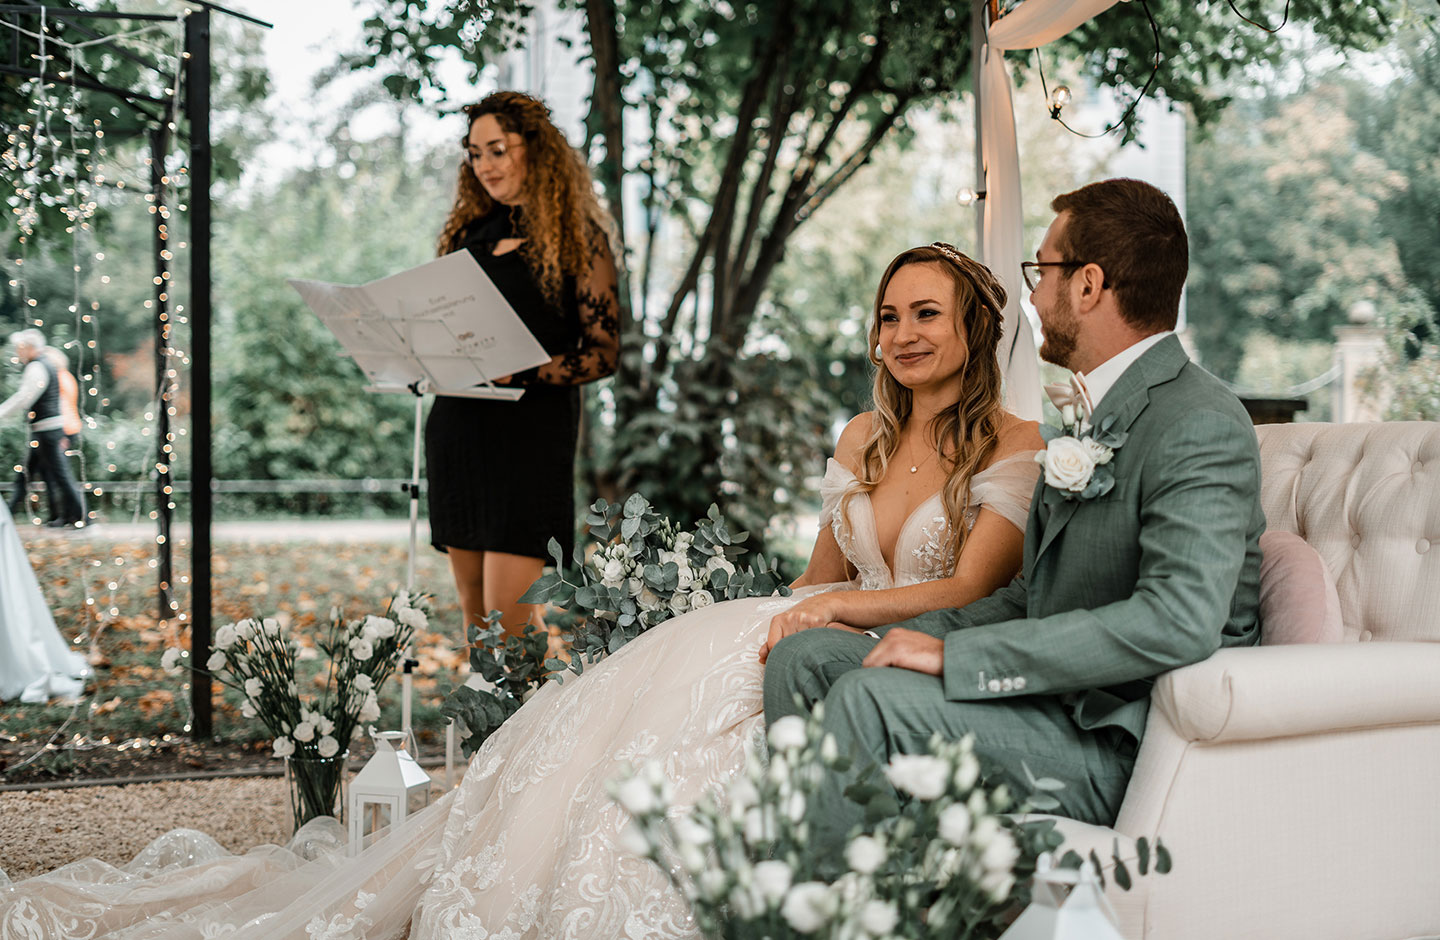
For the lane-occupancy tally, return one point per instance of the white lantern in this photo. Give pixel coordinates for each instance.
(1052, 915)
(389, 788)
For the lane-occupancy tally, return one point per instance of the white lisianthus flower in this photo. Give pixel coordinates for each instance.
(284, 747)
(1068, 464)
(683, 541)
(634, 586)
(998, 884)
(829, 749)
(712, 883)
(636, 796)
(773, 878)
(692, 858)
(1098, 452)
(985, 831)
(687, 578)
(701, 598)
(413, 617)
(304, 732)
(795, 806)
(253, 687)
(613, 573)
(370, 711)
(1001, 854)
(361, 648)
(225, 637)
(364, 683)
(170, 661)
(967, 772)
(809, 906)
(955, 824)
(328, 746)
(245, 629)
(648, 600)
(383, 627)
(679, 604)
(920, 775)
(272, 626)
(632, 840)
(247, 709)
(216, 661)
(325, 725)
(865, 855)
(746, 901)
(760, 825)
(788, 733)
(879, 918)
(690, 832)
(743, 795)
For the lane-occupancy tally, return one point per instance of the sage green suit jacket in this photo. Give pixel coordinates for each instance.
(1156, 574)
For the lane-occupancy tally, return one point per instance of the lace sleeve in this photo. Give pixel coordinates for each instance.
(1006, 487)
(599, 301)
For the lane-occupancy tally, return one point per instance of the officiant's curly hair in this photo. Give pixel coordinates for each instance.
(564, 225)
(966, 434)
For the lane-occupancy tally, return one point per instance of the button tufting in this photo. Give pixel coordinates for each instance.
(1366, 636)
(1355, 540)
(1422, 546)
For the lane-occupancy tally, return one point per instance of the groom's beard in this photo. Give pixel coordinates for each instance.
(1061, 332)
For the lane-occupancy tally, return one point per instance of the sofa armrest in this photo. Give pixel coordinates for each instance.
(1284, 691)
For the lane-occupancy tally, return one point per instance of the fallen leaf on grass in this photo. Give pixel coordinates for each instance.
(107, 707)
(154, 702)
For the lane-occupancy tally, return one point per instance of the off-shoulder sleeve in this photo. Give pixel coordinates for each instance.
(599, 301)
(1006, 486)
(831, 488)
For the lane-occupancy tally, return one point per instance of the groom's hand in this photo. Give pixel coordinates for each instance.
(909, 649)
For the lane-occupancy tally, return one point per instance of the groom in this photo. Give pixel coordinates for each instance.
(1053, 672)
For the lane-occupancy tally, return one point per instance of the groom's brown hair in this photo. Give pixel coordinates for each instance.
(1135, 234)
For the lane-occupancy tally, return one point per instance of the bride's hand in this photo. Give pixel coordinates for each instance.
(819, 610)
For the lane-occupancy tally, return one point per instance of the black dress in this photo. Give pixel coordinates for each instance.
(501, 475)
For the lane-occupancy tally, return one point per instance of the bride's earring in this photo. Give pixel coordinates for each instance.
(878, 355)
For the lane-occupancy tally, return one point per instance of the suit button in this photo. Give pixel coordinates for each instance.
(1019, 683)
(1422, 546)
(1007, 685)
(993, 685)
(1366, 636)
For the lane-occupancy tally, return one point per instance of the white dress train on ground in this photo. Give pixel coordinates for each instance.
(528, 845)
(36, 664)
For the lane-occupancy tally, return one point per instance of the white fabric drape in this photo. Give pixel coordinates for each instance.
(1033, 23)
(36, 663)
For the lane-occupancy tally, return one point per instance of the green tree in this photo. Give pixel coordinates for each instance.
(754, 116)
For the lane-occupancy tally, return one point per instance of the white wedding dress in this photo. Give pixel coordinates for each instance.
(36, 664)
(527, 846)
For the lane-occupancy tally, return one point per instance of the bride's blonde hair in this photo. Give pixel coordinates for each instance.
(965, 434)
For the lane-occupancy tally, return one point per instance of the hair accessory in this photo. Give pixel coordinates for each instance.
(949, 251)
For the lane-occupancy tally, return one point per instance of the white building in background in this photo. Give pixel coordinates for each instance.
(549, 69)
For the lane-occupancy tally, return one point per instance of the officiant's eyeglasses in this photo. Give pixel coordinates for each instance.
(1030, 270)
(474, 156)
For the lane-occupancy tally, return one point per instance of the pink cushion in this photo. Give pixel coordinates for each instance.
(1298, 601)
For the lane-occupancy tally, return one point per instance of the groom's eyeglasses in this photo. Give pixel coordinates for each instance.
(1032, 273)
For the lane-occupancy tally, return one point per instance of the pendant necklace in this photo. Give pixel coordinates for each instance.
(915, 467)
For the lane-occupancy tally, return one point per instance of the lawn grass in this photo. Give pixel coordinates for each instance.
(102, 594)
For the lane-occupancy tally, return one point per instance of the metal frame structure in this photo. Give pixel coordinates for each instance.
(196, 107)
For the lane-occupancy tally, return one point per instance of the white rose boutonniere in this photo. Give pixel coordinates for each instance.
(1077, 457)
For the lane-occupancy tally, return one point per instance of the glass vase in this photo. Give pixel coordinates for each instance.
(317, 786)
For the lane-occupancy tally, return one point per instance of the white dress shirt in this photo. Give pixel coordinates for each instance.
(32, 385)
(1103, 377)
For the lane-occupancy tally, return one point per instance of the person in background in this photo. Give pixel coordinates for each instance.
(501, 474)
(40, 397)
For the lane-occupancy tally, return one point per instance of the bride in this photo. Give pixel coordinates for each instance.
(923, 507)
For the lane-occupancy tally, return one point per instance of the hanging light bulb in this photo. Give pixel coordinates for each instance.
(1059, 98)
(967, 196)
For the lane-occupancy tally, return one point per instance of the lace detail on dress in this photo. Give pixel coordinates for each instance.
(932, 556)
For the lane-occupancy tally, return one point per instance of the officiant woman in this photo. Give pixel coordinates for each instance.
(501, 474)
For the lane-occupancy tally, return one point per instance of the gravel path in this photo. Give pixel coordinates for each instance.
(40, 830)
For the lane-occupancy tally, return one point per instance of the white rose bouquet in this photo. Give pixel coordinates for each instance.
(257, 658)
(640, 571)
(949, 862)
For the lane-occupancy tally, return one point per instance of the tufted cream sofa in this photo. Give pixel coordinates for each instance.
(1298, 787)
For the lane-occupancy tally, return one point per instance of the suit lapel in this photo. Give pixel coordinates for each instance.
(1124, 402)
